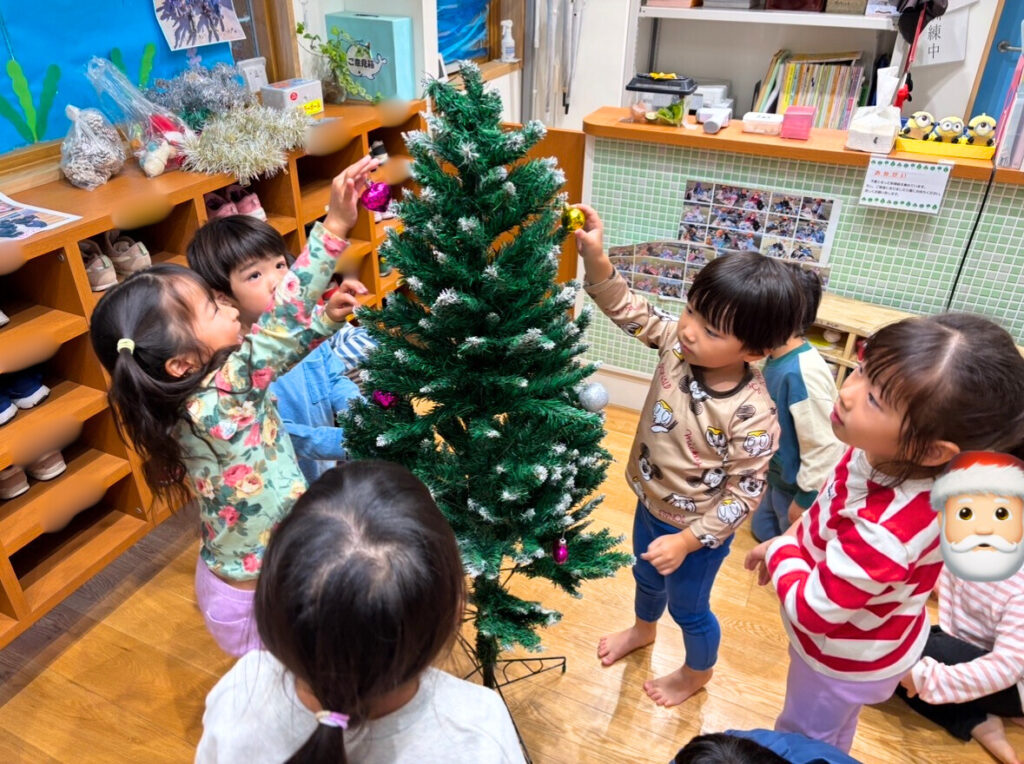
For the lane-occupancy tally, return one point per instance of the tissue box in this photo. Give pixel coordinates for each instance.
(873, 129)
(762, 123)
(382, 58)
(797, 122)
(295, 93)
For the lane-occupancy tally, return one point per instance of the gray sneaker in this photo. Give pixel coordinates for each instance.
(98, 267)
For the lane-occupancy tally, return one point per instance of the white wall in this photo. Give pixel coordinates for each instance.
(944, 89)
(422, 12)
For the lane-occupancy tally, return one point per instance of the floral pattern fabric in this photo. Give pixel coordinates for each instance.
(241, 465)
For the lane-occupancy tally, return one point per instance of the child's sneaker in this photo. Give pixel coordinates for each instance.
(98, 267)
(218, 207)
(26, 389)
(126, 254)
(48, 466)
(246, 202)
(7, 409)
(12, 482)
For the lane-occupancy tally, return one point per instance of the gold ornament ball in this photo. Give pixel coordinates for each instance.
(573, 219)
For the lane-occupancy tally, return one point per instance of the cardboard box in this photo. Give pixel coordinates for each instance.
(295, 93)
(382, 58)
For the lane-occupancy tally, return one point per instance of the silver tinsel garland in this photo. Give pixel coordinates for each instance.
(248, 143)
(198, 93)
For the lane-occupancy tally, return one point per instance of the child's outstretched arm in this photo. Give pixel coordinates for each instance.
(627, 309)
(294, 324)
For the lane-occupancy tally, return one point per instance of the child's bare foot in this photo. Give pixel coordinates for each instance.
(992, 735)
(672, 689)
(622, 643)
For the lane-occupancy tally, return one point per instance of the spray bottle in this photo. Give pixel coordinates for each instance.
(508, 44)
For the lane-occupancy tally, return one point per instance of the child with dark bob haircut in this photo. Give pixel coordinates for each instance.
(362, 590)
(707, 431)
(243, 260)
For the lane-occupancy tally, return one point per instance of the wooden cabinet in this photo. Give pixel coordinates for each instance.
(62, 531)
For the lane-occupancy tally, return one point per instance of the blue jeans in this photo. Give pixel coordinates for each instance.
(771, 518)
(686, 591)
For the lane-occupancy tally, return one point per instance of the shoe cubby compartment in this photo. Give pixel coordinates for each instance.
(54, 564)
(49, 505)
(167, 240)
(77, 392)
(315, 174)
(277, 196)
(44, 308)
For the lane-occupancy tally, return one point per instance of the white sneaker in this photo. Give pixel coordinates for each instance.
(3, 318)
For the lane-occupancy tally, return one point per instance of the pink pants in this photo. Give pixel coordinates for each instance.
(228, 612)
(824, 708)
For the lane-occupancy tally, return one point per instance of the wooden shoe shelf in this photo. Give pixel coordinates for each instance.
(61, 532)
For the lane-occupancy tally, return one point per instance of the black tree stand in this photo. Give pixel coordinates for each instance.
(498, 674)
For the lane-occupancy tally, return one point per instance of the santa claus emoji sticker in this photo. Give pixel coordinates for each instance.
(980, 501)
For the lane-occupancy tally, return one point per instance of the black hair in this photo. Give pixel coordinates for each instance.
(754, 298)
(958, 377)
(361, 588)
(720, 748)
(150, 309)
(810, 282)
(225, 244)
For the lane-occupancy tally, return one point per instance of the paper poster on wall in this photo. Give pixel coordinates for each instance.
(661, 268)
(944, 39)
(784, 224)
(909, 186)
(192, 23)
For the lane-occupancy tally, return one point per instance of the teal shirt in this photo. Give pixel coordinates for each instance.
(241, 465)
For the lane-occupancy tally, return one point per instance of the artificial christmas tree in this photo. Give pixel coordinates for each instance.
(475, 385)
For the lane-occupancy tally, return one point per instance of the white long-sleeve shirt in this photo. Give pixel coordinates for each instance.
(989, 615)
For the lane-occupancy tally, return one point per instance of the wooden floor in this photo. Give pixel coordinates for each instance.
(119, 672)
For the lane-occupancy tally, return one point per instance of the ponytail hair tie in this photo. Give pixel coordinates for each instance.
(332, 719)
(126, 344)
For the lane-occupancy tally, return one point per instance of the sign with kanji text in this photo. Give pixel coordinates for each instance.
(897, 184)
(944, 40)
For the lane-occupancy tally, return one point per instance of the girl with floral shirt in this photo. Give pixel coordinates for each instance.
(191, 394)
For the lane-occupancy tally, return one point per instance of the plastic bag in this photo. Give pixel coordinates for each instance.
(92, 151)
(154, 134)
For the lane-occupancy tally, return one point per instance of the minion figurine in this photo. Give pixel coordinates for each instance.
(981, 131)
(948, 130)
(918, 126)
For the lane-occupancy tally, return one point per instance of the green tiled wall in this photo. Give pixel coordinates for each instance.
(904, 260)
(992, 282)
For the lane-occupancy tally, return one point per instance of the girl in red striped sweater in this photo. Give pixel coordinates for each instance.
(854, 573)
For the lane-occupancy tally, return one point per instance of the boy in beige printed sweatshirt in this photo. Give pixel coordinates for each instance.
(707, 432)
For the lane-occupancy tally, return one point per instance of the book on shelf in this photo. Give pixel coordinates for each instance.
(830, 82)
(734, 4)
(672, 3)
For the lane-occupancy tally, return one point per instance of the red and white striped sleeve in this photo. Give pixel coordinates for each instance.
(862, 561)
(1001, 668)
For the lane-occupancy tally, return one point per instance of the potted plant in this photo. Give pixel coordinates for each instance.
(338, 81)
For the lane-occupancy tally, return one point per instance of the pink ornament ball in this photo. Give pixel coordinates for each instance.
(376, 197)
(561, 553)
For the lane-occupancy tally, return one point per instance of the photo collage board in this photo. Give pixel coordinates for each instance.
(718, 219)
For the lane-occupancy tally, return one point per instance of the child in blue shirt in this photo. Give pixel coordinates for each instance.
(804, 392)
(244, 259)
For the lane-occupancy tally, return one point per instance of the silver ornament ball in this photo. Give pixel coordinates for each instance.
(593, 397)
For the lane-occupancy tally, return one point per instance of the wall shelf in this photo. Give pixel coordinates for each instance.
(789, 18)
